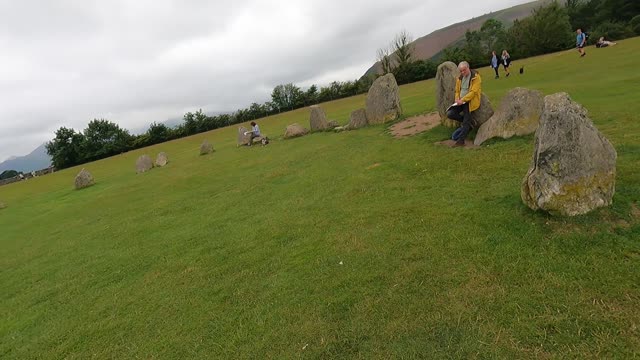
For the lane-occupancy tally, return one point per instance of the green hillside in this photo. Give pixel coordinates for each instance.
(347, 245)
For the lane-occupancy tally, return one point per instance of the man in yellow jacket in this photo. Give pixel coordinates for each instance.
(468, 92)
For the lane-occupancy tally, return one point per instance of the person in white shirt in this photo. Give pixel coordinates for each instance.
(255, 132)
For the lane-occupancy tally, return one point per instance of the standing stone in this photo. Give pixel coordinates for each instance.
(358, 119)
(519, 114)
(143, 164)
(295, 130)
(383, 100)
(446, 91)
(161, 159)
(574, 166)
(318, 119)
(83, 179)
(206, 148)
(242, 138)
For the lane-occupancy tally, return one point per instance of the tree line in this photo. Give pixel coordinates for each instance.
(549, 28)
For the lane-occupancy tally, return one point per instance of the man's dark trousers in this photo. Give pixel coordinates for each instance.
(461, 113)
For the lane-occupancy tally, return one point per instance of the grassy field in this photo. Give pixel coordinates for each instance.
(349, 245)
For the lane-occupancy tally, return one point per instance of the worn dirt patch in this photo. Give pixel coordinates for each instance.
(468, 144)
(415, 125)
(373, 166)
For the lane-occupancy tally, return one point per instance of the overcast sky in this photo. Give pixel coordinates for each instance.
(66, 62)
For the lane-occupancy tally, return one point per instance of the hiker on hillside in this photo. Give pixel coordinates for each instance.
(254, 133)
(494, 63)
(467, 95)
(506, 61)
(581, 42)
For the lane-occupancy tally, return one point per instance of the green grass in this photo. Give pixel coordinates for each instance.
(348, 245)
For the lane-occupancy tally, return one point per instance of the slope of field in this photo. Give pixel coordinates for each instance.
(349, 245)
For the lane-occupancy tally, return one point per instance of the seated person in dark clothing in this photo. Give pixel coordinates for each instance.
(467, 100)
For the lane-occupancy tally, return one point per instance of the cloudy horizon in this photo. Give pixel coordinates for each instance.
(65, 63)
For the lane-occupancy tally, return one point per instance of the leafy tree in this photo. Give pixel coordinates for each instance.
(104, 138)
(66, 149)
(7, 174)
(384, 58)
(157, 133)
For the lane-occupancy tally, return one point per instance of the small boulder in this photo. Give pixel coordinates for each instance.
(519, 114)
(161, 159)
(446, 91)
(243, 136)
(143, 164)
(383, 100)
(83, 179)
(573, 169)
(295, 130)
(358, 119)
(318, 119)
(332, 124)
(206, 148)
(2, 205)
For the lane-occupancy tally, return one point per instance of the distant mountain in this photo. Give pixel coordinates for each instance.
(36, 160)
(430, 46)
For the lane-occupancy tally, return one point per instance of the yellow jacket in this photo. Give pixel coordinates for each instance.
(475, 90)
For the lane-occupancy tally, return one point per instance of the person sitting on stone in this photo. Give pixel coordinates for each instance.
(604, 43)
(254, 133)
(467, 100)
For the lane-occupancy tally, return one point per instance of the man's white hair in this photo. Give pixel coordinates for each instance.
(463, 64)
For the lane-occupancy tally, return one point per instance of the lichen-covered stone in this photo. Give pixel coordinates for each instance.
(206, 148)
(317, 118)
(295, 130)
(83, 179)
(446, 75)
(161, 159)
(574, 166)
(243, 136)
(519, 114)
(357, 119)
(143, 164)
(383, 100)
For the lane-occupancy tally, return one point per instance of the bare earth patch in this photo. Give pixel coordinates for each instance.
(415, 125)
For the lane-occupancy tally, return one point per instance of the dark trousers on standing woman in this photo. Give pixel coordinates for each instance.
(462, 114)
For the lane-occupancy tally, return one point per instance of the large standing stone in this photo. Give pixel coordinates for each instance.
(574, 166)
(519, 114)
(446, 91)
(206, 148)
(358, 119)
(162, 159)
(295, 130)
(383, 100)
(243, 136)
(318, 119)
(143, 164)
(83, 179)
